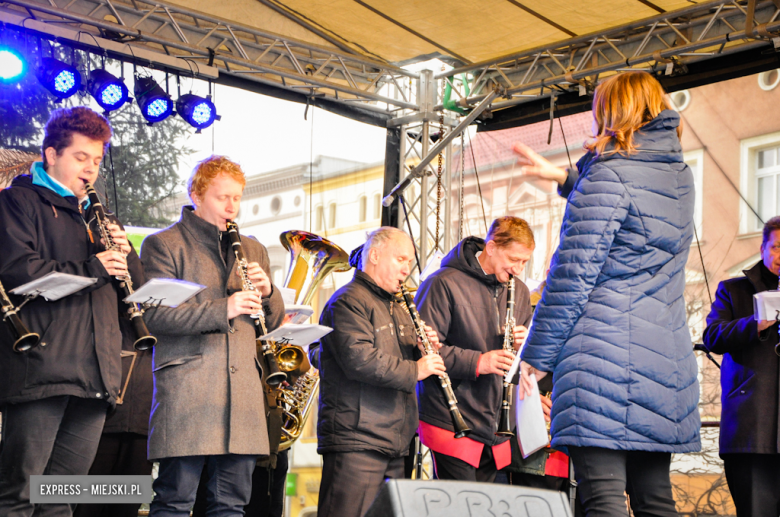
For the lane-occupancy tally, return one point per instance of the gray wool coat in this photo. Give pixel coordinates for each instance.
(208, 397)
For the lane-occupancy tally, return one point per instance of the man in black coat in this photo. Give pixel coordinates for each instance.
(750, 381)
(465, 302)
(54, 397)
(368, 409)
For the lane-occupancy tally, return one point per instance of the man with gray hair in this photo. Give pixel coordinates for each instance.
(368, 374)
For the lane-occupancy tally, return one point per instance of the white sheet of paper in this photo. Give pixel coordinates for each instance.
(54, 286)
(299, 313)
(766, 305)
(514, 369)
(167, 292)
(296, 334)
(433, 265)
(531, 427)
(288, 295)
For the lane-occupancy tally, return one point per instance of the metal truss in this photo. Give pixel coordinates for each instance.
(421, 195)
(239, 50)
(666, 42)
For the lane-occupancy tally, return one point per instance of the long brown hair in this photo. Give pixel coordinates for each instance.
(621, 105)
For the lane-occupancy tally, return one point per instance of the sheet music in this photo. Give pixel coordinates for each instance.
(168, 292)
(531, 427)
(296, 334)
(54, 286)
(766, 305)
(298, 313)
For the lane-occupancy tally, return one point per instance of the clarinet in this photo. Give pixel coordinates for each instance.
(461, 429)
(143, 339)
(265, 347)
(504, 428)
(23, 338)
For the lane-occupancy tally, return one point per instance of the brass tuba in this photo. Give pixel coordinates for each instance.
(311, 259)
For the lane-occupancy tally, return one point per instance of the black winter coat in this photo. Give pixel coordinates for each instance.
(750, 373)
(467, 308)
(367, 372)
(79, 354)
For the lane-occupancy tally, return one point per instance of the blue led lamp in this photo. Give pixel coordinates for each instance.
(108, 90)
(155, 103)
(12, 66)
(61, 79)
(199, 112)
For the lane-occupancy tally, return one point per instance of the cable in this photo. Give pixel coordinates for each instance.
(411, 235)
(476, 173)
(113, 178)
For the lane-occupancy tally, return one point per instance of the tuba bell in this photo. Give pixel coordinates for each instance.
(312, 258)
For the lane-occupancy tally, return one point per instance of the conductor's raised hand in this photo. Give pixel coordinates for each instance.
(259, 278)
(536, 166)
(497, 362)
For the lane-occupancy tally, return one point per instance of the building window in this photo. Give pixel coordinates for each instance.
(319, 218)
(377, 206)
(276, 205)
(759, 181)
(332, 216)
(362, 209)
(695, 160)
(255, 209)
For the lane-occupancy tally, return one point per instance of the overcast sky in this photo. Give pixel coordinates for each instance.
(263, 134)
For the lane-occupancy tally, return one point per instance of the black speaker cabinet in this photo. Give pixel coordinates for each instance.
(408, 498)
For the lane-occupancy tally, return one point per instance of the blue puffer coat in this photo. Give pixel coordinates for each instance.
(611, 324)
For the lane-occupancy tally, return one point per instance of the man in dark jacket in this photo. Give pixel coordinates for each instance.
(465, 302)
(368, 409)
(749, 379)
(54, 397)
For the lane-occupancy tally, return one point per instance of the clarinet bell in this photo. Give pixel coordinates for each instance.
(23, 338)
(145, 340)
(461, 429)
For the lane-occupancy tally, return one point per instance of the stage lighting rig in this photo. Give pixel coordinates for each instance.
(108, 90)
(199, 112)
(61, 79)
(156, 105)
(12, 65)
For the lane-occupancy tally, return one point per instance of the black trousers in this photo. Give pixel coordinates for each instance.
(55, 436)
(754, 483)
(351, 481)
(603, 475)
(448, 467)
(117, 453)
(268, 491)
(228, 487)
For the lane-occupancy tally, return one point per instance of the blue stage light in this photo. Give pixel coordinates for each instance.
(12, 66)
(61, 79)
(155, 104)
(199, 112)
(108, 90)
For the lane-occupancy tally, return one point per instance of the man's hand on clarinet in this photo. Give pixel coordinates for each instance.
(114, 262)
(520, 333)
(119, 236)
(546, 407)
(428, 365)
(243, 302)
(433, 338)
(258, 277)
(497, 362)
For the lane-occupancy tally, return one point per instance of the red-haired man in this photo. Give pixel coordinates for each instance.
(208, 408)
